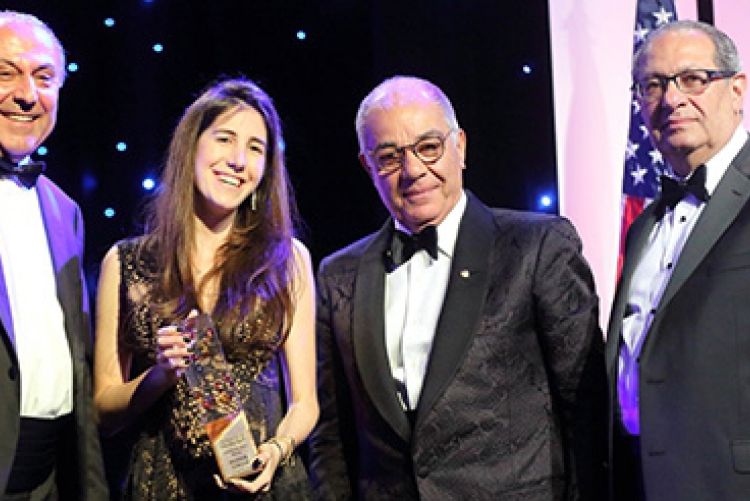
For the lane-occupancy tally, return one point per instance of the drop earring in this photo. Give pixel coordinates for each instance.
(253, 205)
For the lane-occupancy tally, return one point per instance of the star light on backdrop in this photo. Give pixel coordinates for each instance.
(148, 184)
(545, 202)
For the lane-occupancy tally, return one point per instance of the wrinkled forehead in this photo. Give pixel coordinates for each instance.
(403, 120)
(401, 101)
(678, 50)
(32, 41)
(395, 95)
(395, 102)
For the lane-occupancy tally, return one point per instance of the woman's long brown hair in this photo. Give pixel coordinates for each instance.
(255, 267)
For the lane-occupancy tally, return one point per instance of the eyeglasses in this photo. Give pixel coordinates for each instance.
(690, 82)
(428, 149)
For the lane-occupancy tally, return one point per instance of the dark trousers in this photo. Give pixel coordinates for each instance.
(626, 468)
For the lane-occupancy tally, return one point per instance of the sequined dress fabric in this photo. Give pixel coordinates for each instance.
(171, 458)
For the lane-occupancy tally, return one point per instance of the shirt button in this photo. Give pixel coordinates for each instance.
(669, 266)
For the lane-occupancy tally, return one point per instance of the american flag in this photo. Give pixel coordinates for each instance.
(643, 162)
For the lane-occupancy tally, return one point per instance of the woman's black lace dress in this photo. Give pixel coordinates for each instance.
(171, 458)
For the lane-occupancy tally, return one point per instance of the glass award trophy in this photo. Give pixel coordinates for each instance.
(212, 386)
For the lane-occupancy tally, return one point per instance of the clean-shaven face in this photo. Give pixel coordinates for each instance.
(690, 129)
(230, 162)
(31, 74)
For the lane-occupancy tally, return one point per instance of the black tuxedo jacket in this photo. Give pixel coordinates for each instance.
(515, 388)
(695, 361)
(79, 470)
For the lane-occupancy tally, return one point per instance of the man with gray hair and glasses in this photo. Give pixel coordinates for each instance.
(460, 355)
(678, 342)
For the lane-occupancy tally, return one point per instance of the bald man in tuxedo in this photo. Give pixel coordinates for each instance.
(49, 446)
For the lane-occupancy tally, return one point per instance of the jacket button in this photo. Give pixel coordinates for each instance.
(423, 471)
(13, 373)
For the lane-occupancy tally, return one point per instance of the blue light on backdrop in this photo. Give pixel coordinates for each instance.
(148, 184)
(546, 202)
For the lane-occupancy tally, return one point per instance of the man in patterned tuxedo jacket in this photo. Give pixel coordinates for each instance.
(466, 367)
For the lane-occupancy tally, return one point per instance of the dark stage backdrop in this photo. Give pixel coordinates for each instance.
(125, 91)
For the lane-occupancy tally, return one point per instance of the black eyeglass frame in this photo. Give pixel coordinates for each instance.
(710, 76)
(401, 152)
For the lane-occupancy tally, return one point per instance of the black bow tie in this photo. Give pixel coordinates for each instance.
(405, 245)
(673, 190)
(26, 173)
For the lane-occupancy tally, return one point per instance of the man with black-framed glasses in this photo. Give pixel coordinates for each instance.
(692, 82)
(459, 350)
(678, 342)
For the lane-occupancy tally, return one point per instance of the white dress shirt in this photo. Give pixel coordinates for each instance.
(652, 274)
(38, 332)
(414, 294)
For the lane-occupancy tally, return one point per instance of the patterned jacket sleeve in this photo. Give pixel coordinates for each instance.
(572, 346)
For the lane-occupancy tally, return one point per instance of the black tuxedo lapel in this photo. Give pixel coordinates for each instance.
(728, 199)
(52, 220)
(56, 237)
(368, 332)
(637, 240)
(464, 301)
(63, 252)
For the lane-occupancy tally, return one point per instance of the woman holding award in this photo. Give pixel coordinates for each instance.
(219, 242)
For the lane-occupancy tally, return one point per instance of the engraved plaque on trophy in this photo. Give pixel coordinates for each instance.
(213, 388)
